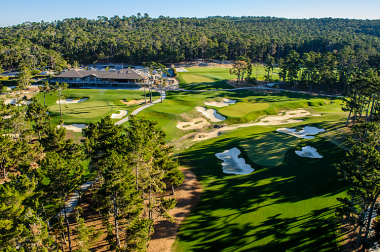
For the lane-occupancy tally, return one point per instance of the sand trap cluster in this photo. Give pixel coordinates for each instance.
(119, 116)
(307, 132)
(197, 123)
(211, 114)
(226, 102)
(270, 120)
(68, 101)
(232, 163)
(74, 127)
(309, 152)
(133, 102)
(285, 118)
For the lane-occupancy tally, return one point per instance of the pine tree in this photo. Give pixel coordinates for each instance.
(64, 176)
(85, 236)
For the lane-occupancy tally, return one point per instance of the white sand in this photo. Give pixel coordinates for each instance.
(133, 102)
(197, 123)
(232, 163)
(119, 116)
(307, 132)
(181, 70)
(74, 127)
(309, 152)
(269, 120)
(211, 114)
(285, 118)
(226, 102)
(67, 101)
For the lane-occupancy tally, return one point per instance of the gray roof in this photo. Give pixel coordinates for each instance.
(123, 74)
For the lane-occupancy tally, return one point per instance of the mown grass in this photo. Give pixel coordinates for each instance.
(288, 207)
(269, 149)
(100, 103)
(214, 77)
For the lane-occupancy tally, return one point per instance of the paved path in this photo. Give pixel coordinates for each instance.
(74, 199)
(142, 108)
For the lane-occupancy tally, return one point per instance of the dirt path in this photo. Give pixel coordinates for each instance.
(187, 196)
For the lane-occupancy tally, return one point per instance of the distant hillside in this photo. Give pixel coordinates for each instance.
(138, 39)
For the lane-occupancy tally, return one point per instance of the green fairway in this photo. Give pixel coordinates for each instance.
(101, 102)
(269, 149)
(288, 207)
(242, 109)
(214, 77)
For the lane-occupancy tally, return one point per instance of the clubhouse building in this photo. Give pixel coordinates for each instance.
(119, 78)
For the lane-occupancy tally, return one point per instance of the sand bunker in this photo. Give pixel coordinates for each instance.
(133, 102)
(226, 102)
(285, 118)
(307, 132)
(309, 152)
(211, 114)
(269, 120)
(232, 163)
(119, 116)
(67, 101)
(74, 127)
(197, 123)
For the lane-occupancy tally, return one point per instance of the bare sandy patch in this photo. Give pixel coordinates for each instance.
(120, 115)
(306, 133)
(187, 196)
(226, 102)
(74, 127)
(133, 102)
(211, 114)
(308, 152)
(197, 123)
(232, 163)
(285, 118)
(281, 118)
(68, 101)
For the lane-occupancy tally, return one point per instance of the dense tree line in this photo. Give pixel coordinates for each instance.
(141, 38)
(41, 169)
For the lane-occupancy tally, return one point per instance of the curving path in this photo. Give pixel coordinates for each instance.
(163, 94)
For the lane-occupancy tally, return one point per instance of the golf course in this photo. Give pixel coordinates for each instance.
(287, 200)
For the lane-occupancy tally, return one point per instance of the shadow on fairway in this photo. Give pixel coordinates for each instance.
(286, 207)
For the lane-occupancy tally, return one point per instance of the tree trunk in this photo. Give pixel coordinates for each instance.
(116, 223)
(68, 228)
(161, 92)
(60, 109)
(373, 105)
(144, 94)
(173, 189)
(370, 216)
(311, 88)
(349, 115)
(44, 99)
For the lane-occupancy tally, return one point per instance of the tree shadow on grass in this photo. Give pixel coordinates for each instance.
(282, 208)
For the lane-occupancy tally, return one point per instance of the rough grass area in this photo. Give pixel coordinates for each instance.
(269, 149)
(288, 207)
(101, 102)
(242, 109)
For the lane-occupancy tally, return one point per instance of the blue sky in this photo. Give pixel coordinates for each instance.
(19, 11)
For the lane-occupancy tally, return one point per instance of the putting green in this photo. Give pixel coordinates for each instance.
(243, 108)
(269, 149)
(86, 109)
